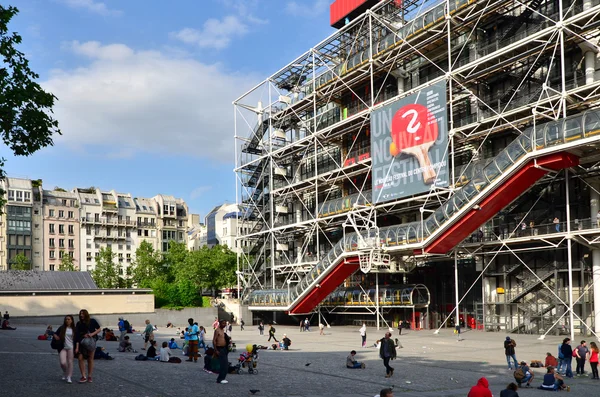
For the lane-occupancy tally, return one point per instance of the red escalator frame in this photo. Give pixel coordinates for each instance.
(512, 188)
(335, 277)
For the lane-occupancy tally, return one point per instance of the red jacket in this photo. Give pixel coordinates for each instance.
(481, 389)
(550, 362)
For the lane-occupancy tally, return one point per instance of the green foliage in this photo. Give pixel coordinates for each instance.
(106, 273)
(147, 267)
(26, 124)
(20, 262)
(66, 264)
(59, 189)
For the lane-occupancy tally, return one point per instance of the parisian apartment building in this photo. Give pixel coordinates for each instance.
(46, 225)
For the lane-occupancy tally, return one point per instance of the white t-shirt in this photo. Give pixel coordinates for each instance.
(165, 353)
(69, 339)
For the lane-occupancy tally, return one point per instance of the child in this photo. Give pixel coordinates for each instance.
(173, 344)
(151, 353)
(165, 352)
(126, 346)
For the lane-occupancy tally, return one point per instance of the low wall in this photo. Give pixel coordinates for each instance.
(58, 305)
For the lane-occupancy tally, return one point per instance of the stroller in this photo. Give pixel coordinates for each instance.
(249, 359)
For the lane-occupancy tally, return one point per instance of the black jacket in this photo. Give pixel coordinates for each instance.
(567, 351)
(509, 348)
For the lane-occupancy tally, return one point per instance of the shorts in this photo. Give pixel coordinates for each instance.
(146, 339)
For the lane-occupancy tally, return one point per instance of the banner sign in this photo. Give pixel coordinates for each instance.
(409, 140)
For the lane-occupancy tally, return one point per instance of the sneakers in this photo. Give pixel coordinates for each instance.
(83, 379)
(362, 365)
(392, 373)
(69, 381)
(223, 381)
(89, 379)
(387, 375)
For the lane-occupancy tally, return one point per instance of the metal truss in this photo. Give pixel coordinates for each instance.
(302, 135)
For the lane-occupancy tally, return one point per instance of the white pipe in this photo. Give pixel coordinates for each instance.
(594, 208)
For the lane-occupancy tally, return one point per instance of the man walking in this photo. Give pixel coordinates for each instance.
(272, 333)
(509, 351)
(221, 343)
(387, 351)
(581, 351)
(192, 334)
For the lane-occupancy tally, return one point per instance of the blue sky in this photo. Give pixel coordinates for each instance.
(145, 88)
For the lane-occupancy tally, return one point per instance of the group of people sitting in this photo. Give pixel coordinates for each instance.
(552, 379)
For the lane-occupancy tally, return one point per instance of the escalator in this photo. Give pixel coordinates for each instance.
(522, 18)
(513, 171)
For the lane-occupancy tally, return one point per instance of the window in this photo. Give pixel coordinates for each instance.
(120, 271)
(128, 257)
(51, 213)
(121, 255)
(180, 236)
(51, 268)
(88, 230)
(97, 217)
(36, 212)
(19, 195)
(166, 209)
(128, 247)
(71, 254)
(139, 220)
(61, 254)
(88, 255)
(121, 247)
(145, 233)
(52, 254)
(128, 218)
(37, 239)
(72, 203)
(97, 245)
(51, 243)
(61, 243)
(128, 233)
(61, 213)
(51, 228)
(27, 196)
(71, 243)
(96, 201)
(152, 221)
(224, 231)
(109, 245)
(71, 229)
(97, 254)
(11, 195)
(61, 229)
(71, 214)
(139, 232)
(64, 202)
(88, 244)
(37, 225)
(36, 254)
(96, 230)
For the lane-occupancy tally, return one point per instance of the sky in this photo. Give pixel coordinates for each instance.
(145, 90)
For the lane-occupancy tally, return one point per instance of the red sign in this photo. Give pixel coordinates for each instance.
(350, 161)
(341, 9)
(364, 157)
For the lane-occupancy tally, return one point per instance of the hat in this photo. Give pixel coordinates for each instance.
(508, 338)
(284, 335)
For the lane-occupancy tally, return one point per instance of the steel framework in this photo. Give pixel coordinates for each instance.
(516, 71)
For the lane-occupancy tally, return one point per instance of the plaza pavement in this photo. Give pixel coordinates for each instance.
(427, 365)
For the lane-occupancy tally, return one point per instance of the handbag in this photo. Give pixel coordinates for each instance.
(56, 344)
(88, 344)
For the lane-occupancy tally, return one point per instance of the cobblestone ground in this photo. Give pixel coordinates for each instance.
(427, 365)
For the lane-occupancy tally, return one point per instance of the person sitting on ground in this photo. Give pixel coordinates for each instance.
(351, 361)
(6, 326)
(552, 381)
(524, 374)
(481, 389)
(109, 335)
(165, 352)
(286, 342)
(173, 344)
(169, 325)
(151, 352)
(551, 361)
(49, 332)
(126, 346)
(510, 391)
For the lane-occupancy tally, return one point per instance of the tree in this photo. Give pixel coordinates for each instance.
(66, 264)
(26, 123)
(209, 268)
(20, 262)
(106, 274)
(148, 265)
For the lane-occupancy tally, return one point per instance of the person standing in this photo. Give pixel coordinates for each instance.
(148, 334)
(593, 357)
(242, 323)
(387, 351)
(306, 325)
(122, 328)
(85, 344)
(261, 328)
(567, 352)
(321, 329)
(363, 335)
(301, 325)
(556, 222)
(581, 353)
(65, 335)
(272, 333)
(215, 323)
(221, 343)
(201, 336)
(509, 351)
(192, 333)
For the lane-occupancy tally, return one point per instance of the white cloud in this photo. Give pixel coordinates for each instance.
(215, 33)
(306, 8)
(93, 6)
(125, 102)
(199, 191)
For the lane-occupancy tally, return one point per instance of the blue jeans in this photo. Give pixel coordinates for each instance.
(568, 370)
(201, 343)
(508, 357)
(356, 365)
(560, 364)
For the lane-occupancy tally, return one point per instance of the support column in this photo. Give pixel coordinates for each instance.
(457, 297)
(569, 258)
(400, 84)
(594, 208)
(377, 298)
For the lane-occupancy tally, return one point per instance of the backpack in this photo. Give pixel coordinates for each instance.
(519, 374)
(126, 325)
(273, 329)
(141, 357)
(176, 360)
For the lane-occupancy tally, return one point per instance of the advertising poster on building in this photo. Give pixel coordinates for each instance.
(409, 140)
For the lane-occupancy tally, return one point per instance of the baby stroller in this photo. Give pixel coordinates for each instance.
(249, 359)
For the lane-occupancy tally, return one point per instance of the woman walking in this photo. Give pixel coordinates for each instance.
(363, 335)
(65, 335)
(593, 358)
(85, 343)
(148, 334)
